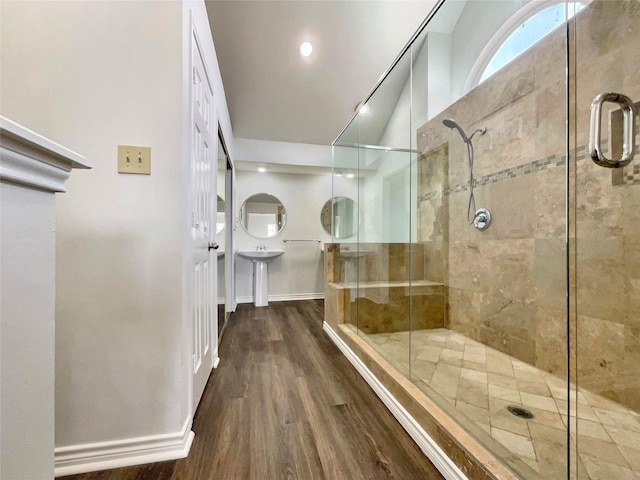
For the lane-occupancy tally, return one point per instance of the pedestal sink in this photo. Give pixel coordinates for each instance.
(260, 259)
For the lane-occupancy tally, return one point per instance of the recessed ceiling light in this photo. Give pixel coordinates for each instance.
(306, 49)
(262, 169)
(338, 174)
(350, 175)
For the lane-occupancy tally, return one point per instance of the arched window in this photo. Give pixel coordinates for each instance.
(521, 31)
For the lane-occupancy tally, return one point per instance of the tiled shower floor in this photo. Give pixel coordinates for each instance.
(477, 383)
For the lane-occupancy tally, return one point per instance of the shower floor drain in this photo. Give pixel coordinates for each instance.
(520, 412)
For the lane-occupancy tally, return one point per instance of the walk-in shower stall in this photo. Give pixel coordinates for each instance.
(495, 267)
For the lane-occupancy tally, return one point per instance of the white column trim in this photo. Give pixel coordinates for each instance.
(32, 170)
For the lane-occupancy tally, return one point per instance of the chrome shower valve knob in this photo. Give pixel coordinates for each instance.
(482, 219)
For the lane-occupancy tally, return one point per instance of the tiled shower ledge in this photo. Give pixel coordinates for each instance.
(475, 384)
(387, 284)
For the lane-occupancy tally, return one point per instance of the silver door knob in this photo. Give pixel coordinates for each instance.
(213, 246)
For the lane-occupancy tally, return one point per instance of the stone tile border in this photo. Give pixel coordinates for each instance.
(534, 166)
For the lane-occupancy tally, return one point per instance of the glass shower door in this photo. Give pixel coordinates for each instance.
(605, 323)
(495, 139)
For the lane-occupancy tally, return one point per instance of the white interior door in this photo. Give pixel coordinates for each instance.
(203, 205)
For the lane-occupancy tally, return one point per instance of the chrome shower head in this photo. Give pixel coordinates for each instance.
(451, 123)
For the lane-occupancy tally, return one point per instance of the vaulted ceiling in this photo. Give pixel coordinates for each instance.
(275, 94)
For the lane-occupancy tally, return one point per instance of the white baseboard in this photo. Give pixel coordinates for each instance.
(429, 447)
(286, 297)
(92, 457)
(215, 359)
(296, 296)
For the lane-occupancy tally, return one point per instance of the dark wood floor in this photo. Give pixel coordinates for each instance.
(286, 404)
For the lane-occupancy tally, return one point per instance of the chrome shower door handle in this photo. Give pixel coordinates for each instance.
(595, 129)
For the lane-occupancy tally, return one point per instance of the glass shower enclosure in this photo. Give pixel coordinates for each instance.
(495, 263)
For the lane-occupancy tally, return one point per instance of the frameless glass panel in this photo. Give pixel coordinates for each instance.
(342, 275)
(606, 324)
(435, 375)
(489, 315)
(377, 266)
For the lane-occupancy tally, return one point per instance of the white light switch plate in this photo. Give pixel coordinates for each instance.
(132, 159)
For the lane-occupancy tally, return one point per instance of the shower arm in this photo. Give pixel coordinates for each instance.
(481, 131)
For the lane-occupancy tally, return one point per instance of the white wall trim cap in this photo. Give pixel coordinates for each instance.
(18, 168)
(429, 447)
(91, 457)
(29, 159)
(17, 137)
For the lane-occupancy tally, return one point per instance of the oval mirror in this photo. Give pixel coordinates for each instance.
(339, 217)
(263, 215)
(220, 215)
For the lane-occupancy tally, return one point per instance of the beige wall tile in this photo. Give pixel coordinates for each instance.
(551, 340)
(330, 305)
(512, 215)
(601, 356)
(551, 273)
(510, 327)
(600, 278)
(549, 199)
(462, 313)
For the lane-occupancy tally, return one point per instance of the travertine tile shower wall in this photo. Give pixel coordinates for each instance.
(507, 285)
(607, 211)
(392, 294)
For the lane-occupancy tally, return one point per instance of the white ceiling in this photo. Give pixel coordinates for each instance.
(273, 93)
(241, 165)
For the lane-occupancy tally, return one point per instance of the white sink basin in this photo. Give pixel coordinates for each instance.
(260, 255)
